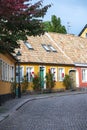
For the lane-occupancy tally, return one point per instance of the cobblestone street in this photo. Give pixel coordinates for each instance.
(54, 113)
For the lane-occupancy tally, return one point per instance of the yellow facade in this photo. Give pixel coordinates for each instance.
(7, 66)
(59, 84)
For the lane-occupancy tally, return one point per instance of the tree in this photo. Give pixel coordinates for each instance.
(19, 18)
(55, 25)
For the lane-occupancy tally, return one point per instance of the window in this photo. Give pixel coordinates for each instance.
(54, 72)
(28, 45)
(52, 48)
(84, 75)
(3, 71)
(21, 74)
(46, 47)
(30, 73)
(61, 74)
(12, 73)
(6, 71)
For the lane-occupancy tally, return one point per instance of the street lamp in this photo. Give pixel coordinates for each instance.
(19, 85)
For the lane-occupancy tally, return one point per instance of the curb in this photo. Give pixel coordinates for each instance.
(19, 105)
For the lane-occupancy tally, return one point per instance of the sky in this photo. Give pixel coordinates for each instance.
(73, 13)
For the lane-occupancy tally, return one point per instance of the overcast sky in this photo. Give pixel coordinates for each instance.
(73, 13)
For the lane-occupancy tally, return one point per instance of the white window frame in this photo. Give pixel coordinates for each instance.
(52, 48)
(12, 73)
(84, 75)
(54, 72)
(61, 73)
(46, 47)
(30, 73)
(6, 71)
(28, 45)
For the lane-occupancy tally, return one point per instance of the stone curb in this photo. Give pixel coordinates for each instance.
(24, 101)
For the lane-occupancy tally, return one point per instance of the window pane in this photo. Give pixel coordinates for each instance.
(84, 75)
(28, 45)
(61, 74)
(30, 73)
(52, 48)
(46, 47)
(53, 71)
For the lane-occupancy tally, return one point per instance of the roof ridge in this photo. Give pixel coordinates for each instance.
(48, 35)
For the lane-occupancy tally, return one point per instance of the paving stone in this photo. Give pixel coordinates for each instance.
(54, 113)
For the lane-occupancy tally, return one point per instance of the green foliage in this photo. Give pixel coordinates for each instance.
(67, 82)
(50, 83)
(19, 19)
(54, 25)
(24, 84)
(36, 83)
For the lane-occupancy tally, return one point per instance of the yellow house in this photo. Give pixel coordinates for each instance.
(39, 55)
(83, 32)
(61, 54)
(7, 75)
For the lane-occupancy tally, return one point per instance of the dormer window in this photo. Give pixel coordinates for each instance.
(28, 45)
(46, 47)
(52, 48)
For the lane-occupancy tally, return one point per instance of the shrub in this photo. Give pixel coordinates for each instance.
(50, 83)
(24, 84)
(67, 82)
(36, 83)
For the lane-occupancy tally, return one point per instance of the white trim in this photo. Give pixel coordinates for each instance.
(27, 70)
(63, 72)
(84, 81)
(77, 76)
(6, 71)
(55, 72)
(80, 64)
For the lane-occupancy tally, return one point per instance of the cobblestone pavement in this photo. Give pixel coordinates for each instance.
(54, 113)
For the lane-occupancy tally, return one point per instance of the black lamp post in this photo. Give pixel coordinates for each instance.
(19, 85)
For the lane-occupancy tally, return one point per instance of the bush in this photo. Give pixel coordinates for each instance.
(67, 82)
(24, 84)
(36, 83)
(50, 83)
